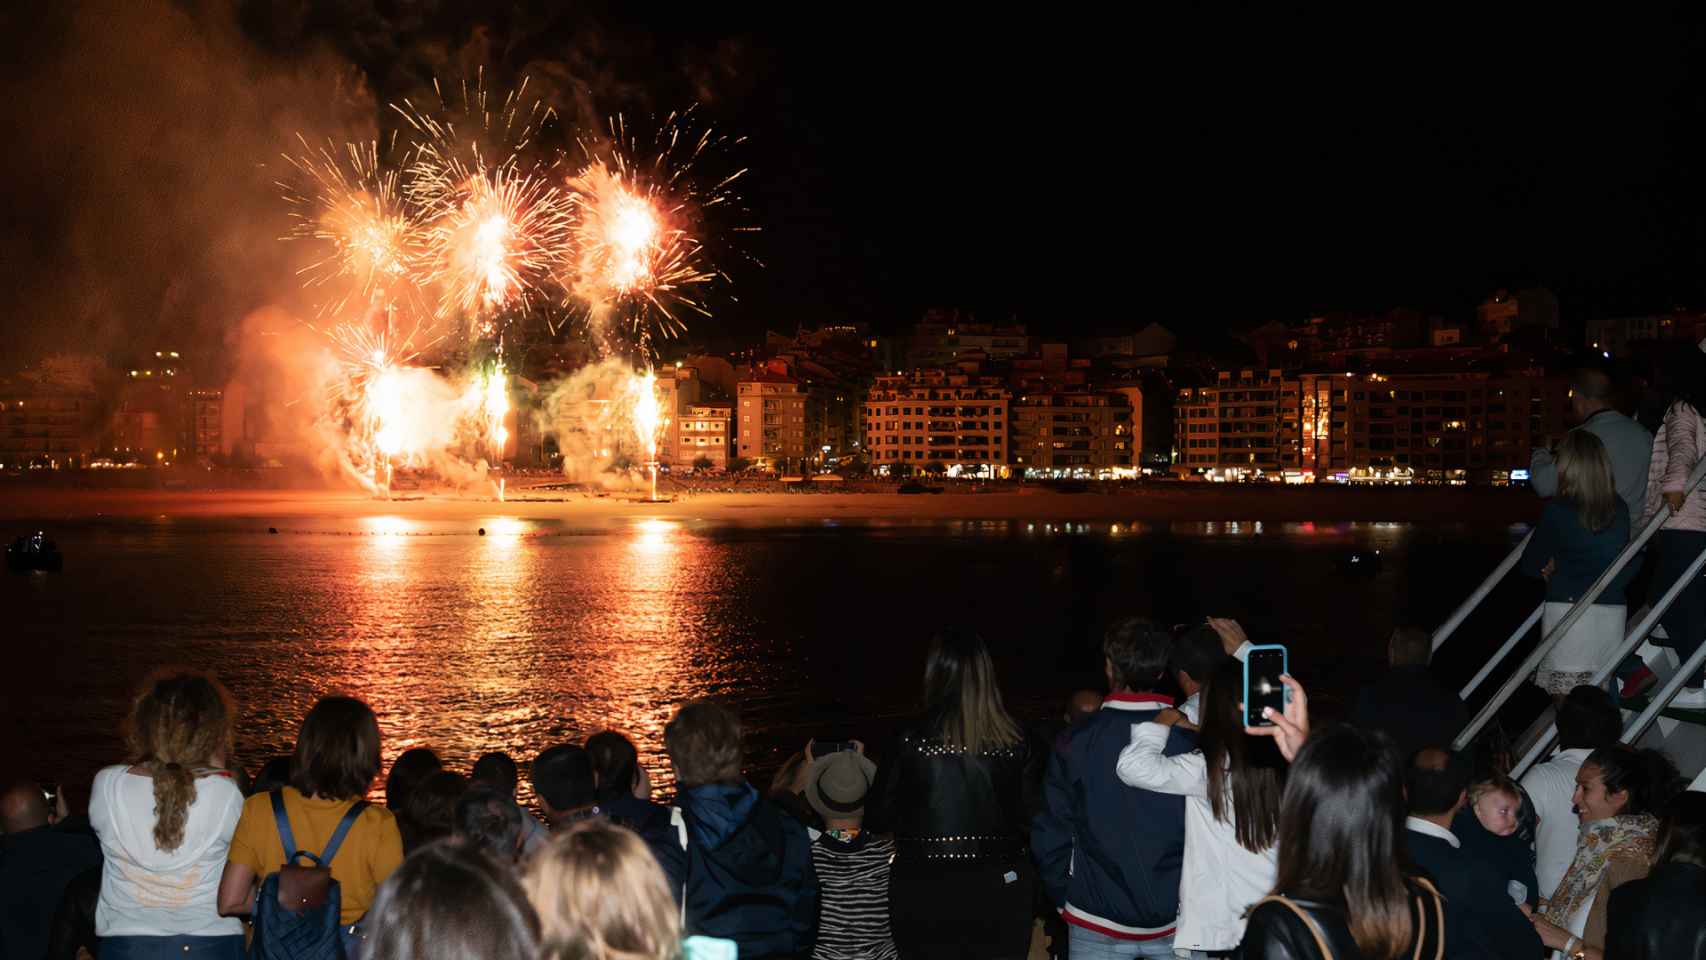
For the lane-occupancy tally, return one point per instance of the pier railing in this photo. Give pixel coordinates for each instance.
(1577, 611)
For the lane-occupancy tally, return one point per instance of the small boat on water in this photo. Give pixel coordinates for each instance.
(1359, 563)
(36, 552)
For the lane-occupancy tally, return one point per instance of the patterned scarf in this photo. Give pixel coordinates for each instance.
(1623, 837)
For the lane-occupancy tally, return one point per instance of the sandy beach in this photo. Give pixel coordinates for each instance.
(1156, 503)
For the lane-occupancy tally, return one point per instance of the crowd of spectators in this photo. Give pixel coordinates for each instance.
(1152, 823)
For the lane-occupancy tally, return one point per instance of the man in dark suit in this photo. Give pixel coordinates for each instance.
(1481, 917)
(1407, 701)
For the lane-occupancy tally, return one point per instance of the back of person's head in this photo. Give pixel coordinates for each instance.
(615, 764)
(1592, 385)
(23, 806)
(1648, 776)
(449, 901)
(1246, 775)
(1435, 781)
(1584, 477)
(179, 721)
(601, 896)
(429, 812)
(563, 778)
(1082, 705)
(409, 769)
(1682, 830)
(962, 700)
(1409, 647)
(497, 770)
(275, 773)
(337, 750)
(1198, 652)
(1682, 379)
(1137, 652)
(790, 775)
(1341, 830)
(488, 818)
(1588, 719)
(703, 743)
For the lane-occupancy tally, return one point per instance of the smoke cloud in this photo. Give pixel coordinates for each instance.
(147, 137)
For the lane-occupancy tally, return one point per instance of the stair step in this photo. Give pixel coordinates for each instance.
(1638, 704)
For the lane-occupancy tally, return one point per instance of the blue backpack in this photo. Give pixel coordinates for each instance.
(296, 911)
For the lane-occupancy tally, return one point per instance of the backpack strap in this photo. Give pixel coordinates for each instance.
(285, 837)
(1308, 921)
(1422, 918)
(342, 831)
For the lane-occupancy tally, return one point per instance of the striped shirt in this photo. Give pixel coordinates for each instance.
(853, 910)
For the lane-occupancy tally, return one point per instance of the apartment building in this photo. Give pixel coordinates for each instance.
(938, 421)
(1437, 428)
(1079, 434)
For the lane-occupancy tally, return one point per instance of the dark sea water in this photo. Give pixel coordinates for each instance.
(540, 632)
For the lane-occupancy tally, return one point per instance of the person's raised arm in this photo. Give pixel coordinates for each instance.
(1291, 727)
(1233, 639)
(1144, 764)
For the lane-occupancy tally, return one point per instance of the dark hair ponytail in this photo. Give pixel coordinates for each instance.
(1649, 776)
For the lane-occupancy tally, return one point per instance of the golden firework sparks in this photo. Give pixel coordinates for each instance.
(633, 250)
(351, 206)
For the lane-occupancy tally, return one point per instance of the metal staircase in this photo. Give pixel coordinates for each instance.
(1682, 734)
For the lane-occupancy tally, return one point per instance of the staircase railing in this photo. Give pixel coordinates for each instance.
(1631, 640)
(1689, 669)
(1577, 611)
(1469, 604)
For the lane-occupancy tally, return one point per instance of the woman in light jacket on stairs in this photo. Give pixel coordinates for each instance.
(1678, 445)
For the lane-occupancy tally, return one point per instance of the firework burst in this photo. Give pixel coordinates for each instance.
(371, 247)
(633, 255)
(498, 226)
(496, 243)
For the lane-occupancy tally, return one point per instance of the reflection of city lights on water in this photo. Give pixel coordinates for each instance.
(655, 536)
(504, 533)
(387, 526)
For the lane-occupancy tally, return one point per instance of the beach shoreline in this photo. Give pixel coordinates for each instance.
(1217, 502)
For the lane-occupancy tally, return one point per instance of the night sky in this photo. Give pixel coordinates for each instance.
(1074, 168)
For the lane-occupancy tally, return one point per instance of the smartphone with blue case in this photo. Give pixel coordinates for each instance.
(1262, 687)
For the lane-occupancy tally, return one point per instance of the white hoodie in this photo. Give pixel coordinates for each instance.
(146, 892)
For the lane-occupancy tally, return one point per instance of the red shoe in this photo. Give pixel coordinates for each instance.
(1639, 683)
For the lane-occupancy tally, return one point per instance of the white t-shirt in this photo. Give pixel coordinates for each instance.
(146, 892)
(1551, 785)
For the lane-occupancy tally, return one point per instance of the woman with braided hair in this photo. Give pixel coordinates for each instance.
(165, 821)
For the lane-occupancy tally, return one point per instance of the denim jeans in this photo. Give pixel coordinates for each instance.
(1082, 944)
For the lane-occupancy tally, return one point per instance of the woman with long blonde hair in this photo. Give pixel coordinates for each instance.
(953, 789)
(601, 895)
(165, 820)
(1581, 531)
(1580, 534)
